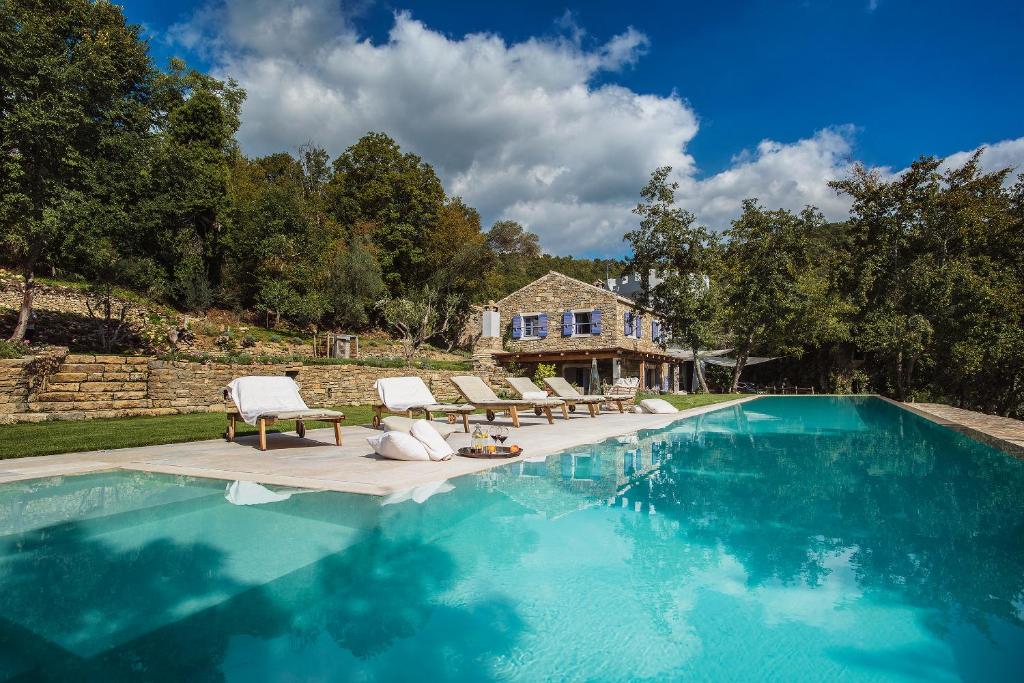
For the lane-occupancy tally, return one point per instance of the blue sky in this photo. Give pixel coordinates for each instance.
(698, 85)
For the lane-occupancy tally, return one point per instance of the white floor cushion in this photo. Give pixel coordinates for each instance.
(658, 406)
(437, 447)
(398, 446)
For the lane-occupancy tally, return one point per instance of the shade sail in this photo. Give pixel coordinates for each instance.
(731, 362)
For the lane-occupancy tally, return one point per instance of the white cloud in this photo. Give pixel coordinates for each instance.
(520, 130)
(997, 156)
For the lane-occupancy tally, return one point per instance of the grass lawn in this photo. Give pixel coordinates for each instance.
(684, 401)
(46, 438)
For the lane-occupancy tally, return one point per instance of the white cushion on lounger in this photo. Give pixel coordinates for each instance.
(658, 405)
(437, 447)
(398, 446)
(402, 393)
(533, 395)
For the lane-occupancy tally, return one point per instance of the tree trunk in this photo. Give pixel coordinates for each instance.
(25, 314)
(701, 380)
(741, 362)
(901, 392)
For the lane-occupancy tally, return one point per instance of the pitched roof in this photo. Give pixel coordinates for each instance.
(597, 290)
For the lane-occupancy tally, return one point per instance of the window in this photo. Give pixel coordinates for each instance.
(581, 322)
(530, 326)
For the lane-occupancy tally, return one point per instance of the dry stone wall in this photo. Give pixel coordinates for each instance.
(88, 386)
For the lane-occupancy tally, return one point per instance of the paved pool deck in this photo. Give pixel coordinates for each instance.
(316, 463)
(1003, 433)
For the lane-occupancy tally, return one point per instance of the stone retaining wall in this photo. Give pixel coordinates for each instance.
(88, 386)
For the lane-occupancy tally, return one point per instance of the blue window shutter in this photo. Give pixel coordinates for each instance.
(639, 326)
(567, 324)
(655, 336)
(543, 320)
(627, 324)
(517, 326)
(595, 322)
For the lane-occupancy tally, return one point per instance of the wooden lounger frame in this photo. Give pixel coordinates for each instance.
(453, 415)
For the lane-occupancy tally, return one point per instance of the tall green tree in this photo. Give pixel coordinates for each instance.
(779, 298)
(399, 194)
(939, 282)
(75, 80)
(687, 258)
(189, 179)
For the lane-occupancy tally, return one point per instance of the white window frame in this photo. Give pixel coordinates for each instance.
(536, 315)
(590, 325)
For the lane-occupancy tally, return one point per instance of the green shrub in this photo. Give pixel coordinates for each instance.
(10, 349)
(543, 371)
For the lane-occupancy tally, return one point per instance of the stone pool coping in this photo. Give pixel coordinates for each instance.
(316, 463)
(1002, 433)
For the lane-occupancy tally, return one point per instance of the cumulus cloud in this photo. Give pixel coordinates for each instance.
(533, 131)
(997, 156)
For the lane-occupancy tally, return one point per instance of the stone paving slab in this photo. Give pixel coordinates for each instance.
(316, 463)
(1003, 433)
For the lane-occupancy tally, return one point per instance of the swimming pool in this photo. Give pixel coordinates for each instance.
(789, 538)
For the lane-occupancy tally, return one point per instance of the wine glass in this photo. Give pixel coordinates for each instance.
(500, 434)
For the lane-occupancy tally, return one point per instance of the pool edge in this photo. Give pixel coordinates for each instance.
(999, 443)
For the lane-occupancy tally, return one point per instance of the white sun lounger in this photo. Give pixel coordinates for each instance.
(409, 395)
(262, 401)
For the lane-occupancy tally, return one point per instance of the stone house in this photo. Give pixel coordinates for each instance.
(562, 321)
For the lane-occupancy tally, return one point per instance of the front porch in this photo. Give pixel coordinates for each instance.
(656, 371)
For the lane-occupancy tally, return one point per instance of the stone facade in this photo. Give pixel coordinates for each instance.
(555, 293)
(88, 386)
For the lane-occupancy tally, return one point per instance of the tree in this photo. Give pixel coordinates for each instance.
(779, 298)
(399, 194)
(687, 257)
(75, 79)
(188, 194)
(458, 261)
(355, 284)
(418, 319)
(939, 282)
(509, 238)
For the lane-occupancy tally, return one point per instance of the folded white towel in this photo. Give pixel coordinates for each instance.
(534, 395)
(255, 396)
(402, 393)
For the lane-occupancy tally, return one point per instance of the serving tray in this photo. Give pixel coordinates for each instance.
(500, 452)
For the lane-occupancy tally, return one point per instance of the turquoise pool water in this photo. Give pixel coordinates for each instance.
(789, 539)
